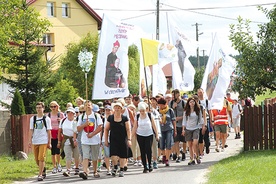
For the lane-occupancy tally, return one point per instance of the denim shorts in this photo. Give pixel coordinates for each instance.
(106, 151)
(166, 141)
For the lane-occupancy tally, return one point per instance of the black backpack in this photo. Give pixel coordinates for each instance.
(43, 119)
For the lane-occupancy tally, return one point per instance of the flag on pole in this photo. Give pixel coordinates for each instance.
(112, 66)
(150, 51)
(182, 71)
(217, 74)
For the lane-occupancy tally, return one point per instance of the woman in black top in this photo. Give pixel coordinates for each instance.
(120, 133)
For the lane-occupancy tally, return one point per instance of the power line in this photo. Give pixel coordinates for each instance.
(175, 8)
(212, 15)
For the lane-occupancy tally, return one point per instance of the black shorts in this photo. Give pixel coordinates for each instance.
(179, 137)
(54, 149)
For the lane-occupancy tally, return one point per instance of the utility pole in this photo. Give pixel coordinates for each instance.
(157, 20)
(197, 50)
(203, 51)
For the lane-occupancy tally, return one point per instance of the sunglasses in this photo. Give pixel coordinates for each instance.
(53, 106)
(82, 111)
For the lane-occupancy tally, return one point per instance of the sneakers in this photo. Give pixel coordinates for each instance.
(178, 160)
(54, 171)
(114, 172)
(140, 163)
(99, 169)
(108, 173)
(40, 178)
(77, 170)
(198, 161)
(222, 149)
(207, 150)
(59, 168)
(66, 173)
(163, 159)
(125, 168)
(192, 162)
(174, 157)
(135, 163)
(83, 175)
(217, 149)
(183, 156)
(155, 166)
(44, 173)
(167, 163)
(121, 174)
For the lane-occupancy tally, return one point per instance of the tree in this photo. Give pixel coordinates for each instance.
(17, 105)
(134, 69)
(21, 55)
(63, 92)
(70, 68)
(256, 63)
(198, 78)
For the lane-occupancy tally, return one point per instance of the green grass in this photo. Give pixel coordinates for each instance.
(261, 98)
(18, 170)
(246, 168)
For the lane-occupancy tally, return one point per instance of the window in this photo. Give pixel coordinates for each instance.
(49, 39)
(51, 9)
(65, 10)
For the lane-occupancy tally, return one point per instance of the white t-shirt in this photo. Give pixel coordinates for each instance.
(235, 110)
(96, 139)
(144, 126)
(68, 128)
(193, 121)
(40, 134)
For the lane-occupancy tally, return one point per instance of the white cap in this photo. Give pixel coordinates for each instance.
(71, 109)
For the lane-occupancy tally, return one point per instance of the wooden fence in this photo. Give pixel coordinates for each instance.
(259, 127)
(20, 126)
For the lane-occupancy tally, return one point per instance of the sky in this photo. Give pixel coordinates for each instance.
(213, 17)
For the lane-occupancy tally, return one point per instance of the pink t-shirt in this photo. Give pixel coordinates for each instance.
(55, 124)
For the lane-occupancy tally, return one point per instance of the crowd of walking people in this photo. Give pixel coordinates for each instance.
(143, 131)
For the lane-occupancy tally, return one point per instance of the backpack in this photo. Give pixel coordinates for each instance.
(43, 119)
(149, 114)
(138, 115)
(58, 114)
(239, 106)
(95, 114)
(201, 110)
(183, 104)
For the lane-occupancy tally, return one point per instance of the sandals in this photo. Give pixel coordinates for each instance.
(96, 175)
(83, 175)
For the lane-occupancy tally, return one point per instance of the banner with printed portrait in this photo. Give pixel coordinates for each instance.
(217, 75)
(112, 65)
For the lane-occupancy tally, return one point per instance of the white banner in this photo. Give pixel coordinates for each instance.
(167, 53)
(182, 71)
(112, 65)
(217, 75)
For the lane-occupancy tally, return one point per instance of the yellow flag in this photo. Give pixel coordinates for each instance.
(150, 51)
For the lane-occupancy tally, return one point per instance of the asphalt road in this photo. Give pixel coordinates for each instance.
(177, 173)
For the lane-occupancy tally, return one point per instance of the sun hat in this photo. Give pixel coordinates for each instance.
(142, 106)
(71, 109)
(116, 104)
(95, 108)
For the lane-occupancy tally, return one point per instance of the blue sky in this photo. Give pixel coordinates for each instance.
(213, 15)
